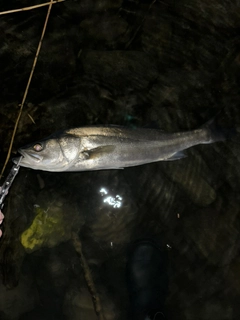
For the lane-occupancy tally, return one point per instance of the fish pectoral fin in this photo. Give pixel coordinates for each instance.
(176, 156)
(96, 152)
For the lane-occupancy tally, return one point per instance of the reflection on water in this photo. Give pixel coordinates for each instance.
(114, 201)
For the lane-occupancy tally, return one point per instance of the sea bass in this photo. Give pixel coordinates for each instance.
(112, 147)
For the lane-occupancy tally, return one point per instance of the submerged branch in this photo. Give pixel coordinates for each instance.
(88, 277)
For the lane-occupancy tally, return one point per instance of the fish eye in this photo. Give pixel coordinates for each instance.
(38, 147)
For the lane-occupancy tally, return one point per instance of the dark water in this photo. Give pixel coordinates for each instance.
(170, 65)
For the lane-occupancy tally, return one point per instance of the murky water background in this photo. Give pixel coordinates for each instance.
(168, 65)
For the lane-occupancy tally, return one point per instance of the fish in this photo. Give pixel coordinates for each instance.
(113, 147)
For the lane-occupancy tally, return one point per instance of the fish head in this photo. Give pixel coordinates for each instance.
(50, 154)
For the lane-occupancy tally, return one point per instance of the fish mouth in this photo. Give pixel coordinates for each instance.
(28, 157)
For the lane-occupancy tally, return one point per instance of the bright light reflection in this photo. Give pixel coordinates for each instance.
(115, 202)
(103, 191)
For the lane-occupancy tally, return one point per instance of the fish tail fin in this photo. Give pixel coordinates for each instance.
(218, 133)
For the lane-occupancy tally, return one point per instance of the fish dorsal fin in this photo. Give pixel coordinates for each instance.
(176, 156)
(96, 152)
